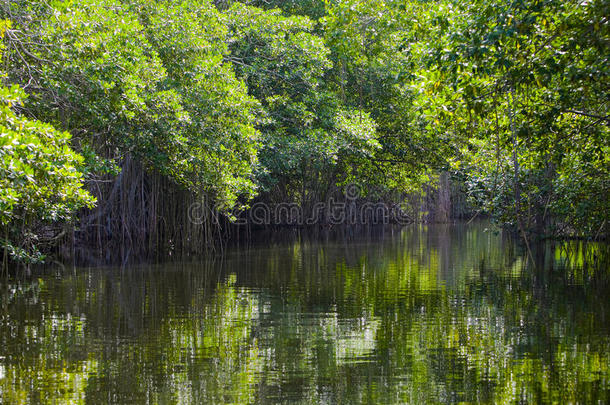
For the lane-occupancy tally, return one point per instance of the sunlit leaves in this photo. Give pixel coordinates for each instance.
(40, 178)
(306, 130)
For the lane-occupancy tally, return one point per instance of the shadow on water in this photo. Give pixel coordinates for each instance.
(444, 313)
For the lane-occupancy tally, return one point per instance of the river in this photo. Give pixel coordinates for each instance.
(419, 314)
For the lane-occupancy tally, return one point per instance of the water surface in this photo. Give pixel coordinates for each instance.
(419, 314)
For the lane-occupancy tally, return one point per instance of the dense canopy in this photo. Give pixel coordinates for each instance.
(142, 107)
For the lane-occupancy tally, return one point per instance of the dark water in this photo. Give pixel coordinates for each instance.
(438, 314)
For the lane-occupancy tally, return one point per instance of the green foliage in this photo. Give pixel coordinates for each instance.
(220, 144)
(375, 69)
(512, 96)
(533, 104)
(40, 178)
(149, 80)
(227, 100)
(307, 132)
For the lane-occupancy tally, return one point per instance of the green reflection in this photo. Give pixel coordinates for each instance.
(423, 314)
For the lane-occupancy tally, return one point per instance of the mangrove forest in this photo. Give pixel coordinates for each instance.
(119, 115)
(304, 201)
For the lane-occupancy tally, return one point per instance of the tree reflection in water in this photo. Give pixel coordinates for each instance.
(419, 314)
